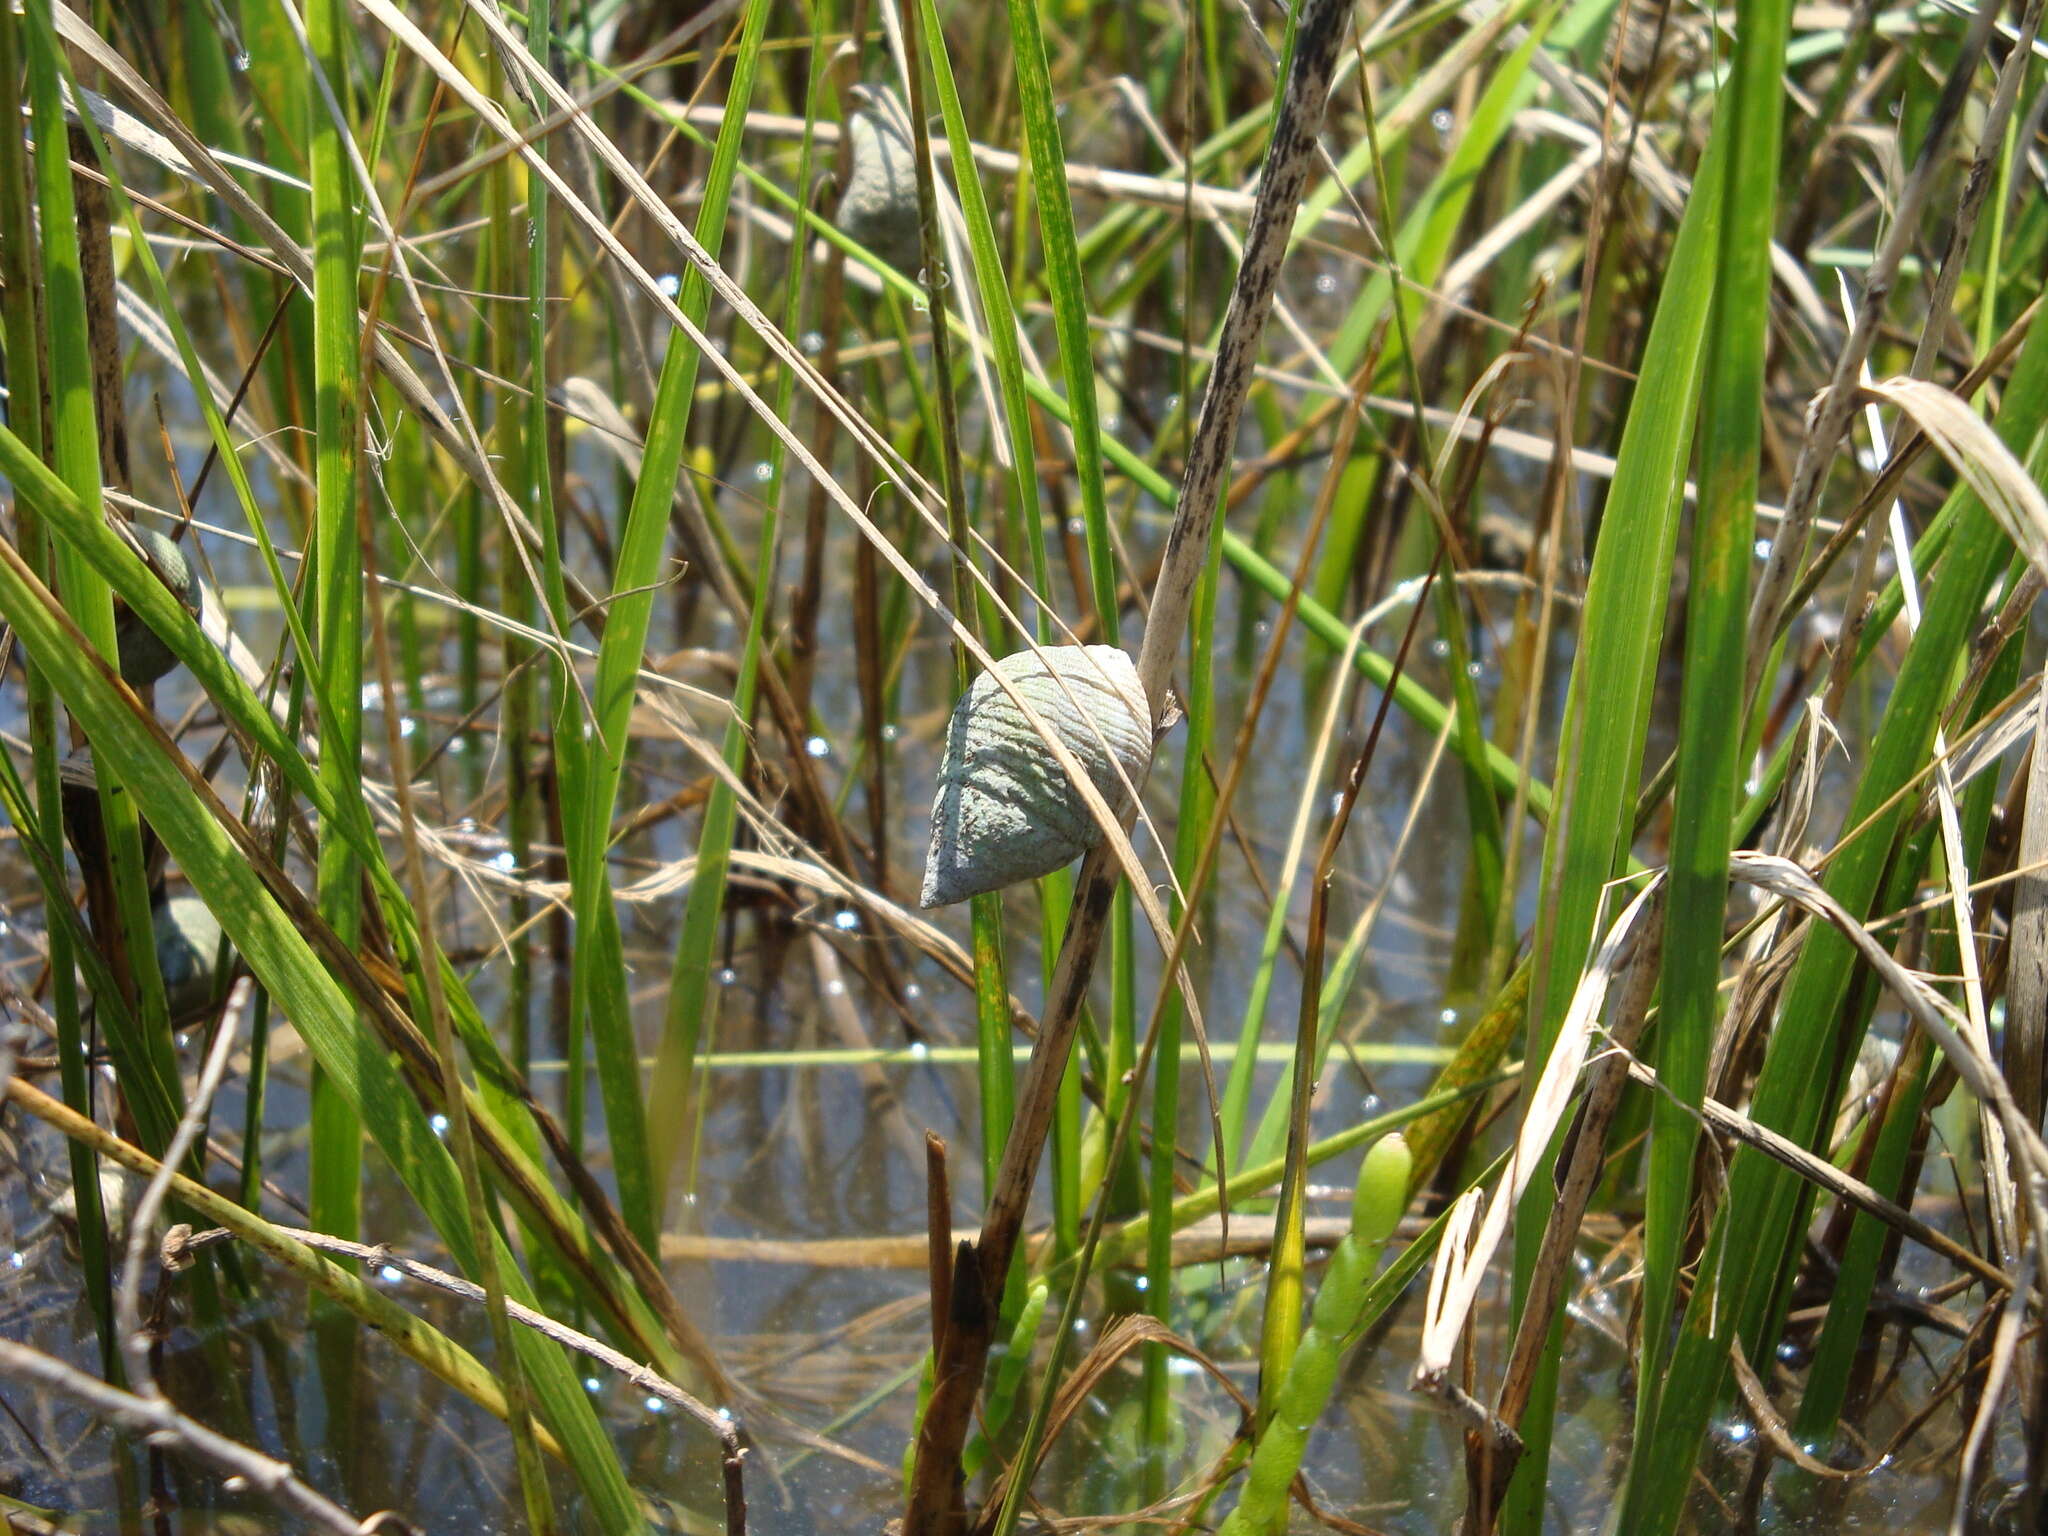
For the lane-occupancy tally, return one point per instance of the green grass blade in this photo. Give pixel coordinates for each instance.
(1710, 767)
(336, 572)
(143, 1058)
(1607, 708)
(691, 1002)
(602, 997)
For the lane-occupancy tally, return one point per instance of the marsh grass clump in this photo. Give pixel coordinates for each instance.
(1575, 474)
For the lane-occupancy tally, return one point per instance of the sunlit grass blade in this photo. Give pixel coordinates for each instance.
(1607, 707)
(1710, 768)
(602, 997)
(691, 1003)
(144, 1060)
(337, 568)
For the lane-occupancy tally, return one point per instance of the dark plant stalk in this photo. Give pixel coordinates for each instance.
(935, 1508)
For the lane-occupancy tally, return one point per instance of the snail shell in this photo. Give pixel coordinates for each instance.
(187, 946)
(879, 207)
(144, 656)
(1005, 810)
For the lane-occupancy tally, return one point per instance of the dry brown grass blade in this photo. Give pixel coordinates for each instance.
(162, 1424)
(1980, 456)
(1117, 1341)
(2026, 1014)
(1777, 1433)
(1461, 1267)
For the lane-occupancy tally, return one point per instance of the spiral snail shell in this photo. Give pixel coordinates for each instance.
(1005, 810)
(879, 206)
(143, 655)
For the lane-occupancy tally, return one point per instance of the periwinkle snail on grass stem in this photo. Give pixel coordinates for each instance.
(878, 209)
(144, 656)
(1005, 809)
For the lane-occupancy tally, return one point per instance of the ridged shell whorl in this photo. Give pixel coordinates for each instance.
(1005, 810)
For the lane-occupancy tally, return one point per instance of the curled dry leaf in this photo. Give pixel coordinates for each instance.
(1005, 810)
(1980, 456)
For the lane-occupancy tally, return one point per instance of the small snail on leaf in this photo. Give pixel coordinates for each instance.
(879, 209)
(187, 953)
(1005, 810)
(144, 656)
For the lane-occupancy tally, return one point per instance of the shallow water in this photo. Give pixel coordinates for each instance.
(795, 1155)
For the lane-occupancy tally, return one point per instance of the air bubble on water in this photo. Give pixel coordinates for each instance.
(1441, 120)
(846, 920)
(1736, 1430)
(813, 343)
(727, 976)
(504, 863)
(184, 1039)
(390, 1274)
(440, 1125)
(891, 731)
(725, 1415)
(1080, 1325)
(1076, 527)
(1475, 669)
(919, 1050)
(690, 1197)
(1172, 403)
(1763, 549)
(17, 1259)
(669, 283)
(1447, 1017)
(655, 1405)
(835, 988)
(592, 1384)
(764, 472)
(1371, 1104)
(457, 745)
(1439, 646)
(912, 991)
(1262, 628)
(817, 746)
(1326, 283)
